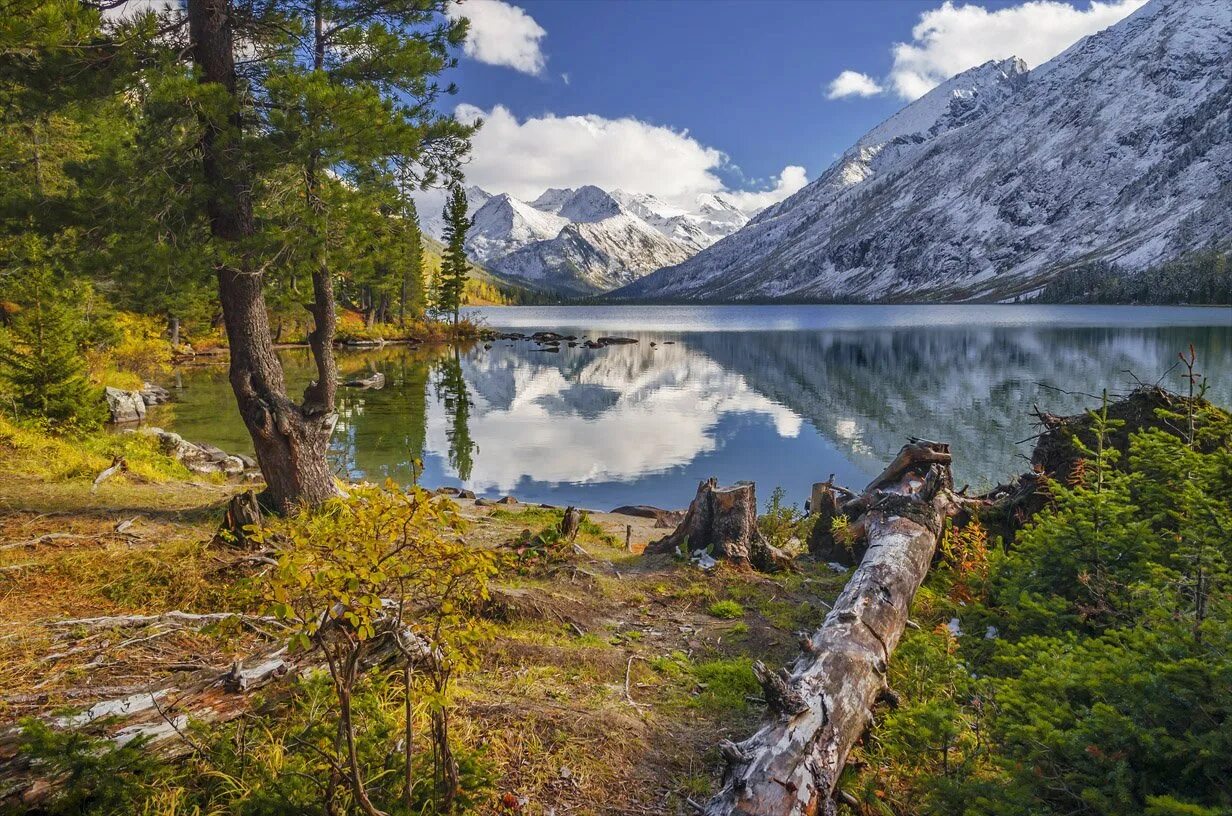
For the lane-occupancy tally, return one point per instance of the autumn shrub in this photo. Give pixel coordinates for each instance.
(383, 569)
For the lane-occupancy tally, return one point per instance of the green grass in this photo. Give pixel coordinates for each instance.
(725, 684)
(726, 610)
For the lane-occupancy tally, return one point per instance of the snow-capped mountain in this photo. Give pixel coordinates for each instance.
(1118, 149)
(713, 218)
(585, 240)
(504, 224)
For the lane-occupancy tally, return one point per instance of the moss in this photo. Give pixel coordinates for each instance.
(726, 609)
(725, 684)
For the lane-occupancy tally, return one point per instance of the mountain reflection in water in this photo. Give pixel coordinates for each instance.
(716, 397)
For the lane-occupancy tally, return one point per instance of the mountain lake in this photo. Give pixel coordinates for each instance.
(781, 395)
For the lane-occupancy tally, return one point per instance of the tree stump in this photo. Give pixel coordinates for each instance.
(822, 543)
(570, 524)
(243, 512)
(722, 522)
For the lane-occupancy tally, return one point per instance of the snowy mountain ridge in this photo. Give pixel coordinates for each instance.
(1118, 149)
(585, 240)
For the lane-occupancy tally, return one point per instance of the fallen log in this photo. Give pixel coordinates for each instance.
(821, 705)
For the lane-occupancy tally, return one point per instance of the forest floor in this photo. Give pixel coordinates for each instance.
(609, 681)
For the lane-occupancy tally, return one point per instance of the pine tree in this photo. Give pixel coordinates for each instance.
(40, 360)
(453, 265)
(412, 296)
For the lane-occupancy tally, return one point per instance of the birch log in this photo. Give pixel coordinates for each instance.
(821, 705)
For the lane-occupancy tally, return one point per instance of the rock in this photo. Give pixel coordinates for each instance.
(448, 491)
(232, 465)
(154, 394)
(591, 344)
(481, 502)
(212, 452)
(616, 341)
(375, 381)
(547, 337)
(507, 500)
(667, 519)
(554, 349)
(466, 494)
(125, 406)
(572, 344)
(249, 462)
(487, 346)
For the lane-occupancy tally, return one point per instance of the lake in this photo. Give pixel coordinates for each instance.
(781, 395)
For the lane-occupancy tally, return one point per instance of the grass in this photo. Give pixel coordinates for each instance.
(611, 681)
(32, 452)
(726, 610)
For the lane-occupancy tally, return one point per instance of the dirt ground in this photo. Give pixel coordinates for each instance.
(610, 679)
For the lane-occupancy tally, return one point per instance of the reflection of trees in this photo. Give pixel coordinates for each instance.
(452, 393)
(973, 387)
(382, 434)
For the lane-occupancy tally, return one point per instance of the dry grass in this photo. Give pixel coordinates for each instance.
(605, 690)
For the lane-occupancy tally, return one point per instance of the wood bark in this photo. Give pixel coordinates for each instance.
(722, 522)
(822, 704)
(291, 441)
(570, 524)
(243, 512)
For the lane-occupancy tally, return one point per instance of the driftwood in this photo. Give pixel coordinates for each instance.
(722, 522)
(821, 705)
(118, 465)
(159, 715)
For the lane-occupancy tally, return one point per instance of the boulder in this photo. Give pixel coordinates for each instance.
(154, 394)
(507, 500)
(125, 406)
(232, 465)
(616, 341)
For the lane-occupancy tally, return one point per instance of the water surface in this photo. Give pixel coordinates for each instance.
(782, 395)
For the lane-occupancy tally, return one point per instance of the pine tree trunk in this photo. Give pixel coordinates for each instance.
(291, 442)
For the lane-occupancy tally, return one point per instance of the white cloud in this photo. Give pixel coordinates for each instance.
(524, 158)
(951, 39)
(790, 180)
(132, 9)
(852, 83)
(501, 34)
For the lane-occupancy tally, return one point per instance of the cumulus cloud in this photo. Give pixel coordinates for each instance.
(789, 181)
(501, 34)
(953, 38)
(525, 157)
(852, 83)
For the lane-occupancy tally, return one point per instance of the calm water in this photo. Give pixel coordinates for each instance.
(782, 395)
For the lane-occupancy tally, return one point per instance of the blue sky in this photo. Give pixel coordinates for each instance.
(677, 97)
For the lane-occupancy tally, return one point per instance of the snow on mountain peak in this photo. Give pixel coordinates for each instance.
(589, 204)
(1118, 149)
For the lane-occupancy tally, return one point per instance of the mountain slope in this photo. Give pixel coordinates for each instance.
(1118, 149)
(587, 257)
